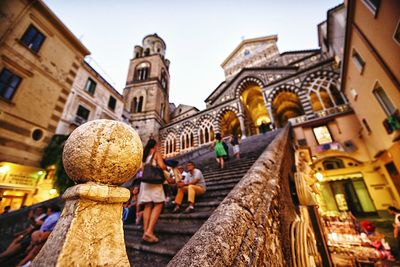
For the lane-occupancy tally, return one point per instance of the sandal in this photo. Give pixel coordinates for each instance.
(150, 240)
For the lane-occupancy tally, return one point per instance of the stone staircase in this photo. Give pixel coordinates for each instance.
(174, 230)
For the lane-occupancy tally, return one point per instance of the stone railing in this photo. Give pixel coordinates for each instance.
(251, 226)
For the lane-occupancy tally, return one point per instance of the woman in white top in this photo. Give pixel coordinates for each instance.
(151, 195)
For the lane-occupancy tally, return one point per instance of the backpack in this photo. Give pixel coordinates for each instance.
(226, 150)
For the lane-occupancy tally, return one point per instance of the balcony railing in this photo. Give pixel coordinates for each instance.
(392, 123)
(321, 114)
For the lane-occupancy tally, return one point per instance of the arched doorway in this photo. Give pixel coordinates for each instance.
(286, 105)
(229, 124)
(254, 108)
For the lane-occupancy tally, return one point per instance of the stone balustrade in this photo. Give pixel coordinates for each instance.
(99, 156)
(251, 226)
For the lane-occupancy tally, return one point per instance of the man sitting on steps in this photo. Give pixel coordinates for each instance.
(193, 184)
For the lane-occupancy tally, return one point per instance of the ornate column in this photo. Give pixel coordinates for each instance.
(242, 126)
(99, 156)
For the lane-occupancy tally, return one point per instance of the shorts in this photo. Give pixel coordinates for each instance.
(236, 149)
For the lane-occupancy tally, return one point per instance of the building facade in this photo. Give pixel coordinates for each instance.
(263, 86)
(371, 82)
(91, 98)
(40, 58)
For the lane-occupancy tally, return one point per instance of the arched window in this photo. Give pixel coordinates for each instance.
(201, 136)
(140, 104)
(212, 136)
(336, 95)
(134, 105)
(206, 135)
(323, 94)
(142, 71)
(147, 52)
(162, 110)
(164, 80)
(333, 163)
(191, 140)
(183, 142)
(187, 141)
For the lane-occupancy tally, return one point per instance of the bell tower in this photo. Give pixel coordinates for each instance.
(146, 93)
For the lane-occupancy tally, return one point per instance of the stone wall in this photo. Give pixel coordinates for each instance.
(251, 226)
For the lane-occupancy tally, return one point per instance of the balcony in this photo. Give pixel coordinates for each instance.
(342, 109)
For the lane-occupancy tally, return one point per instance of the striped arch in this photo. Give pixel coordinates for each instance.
(244, 83)
(319, 74)
(204, 118)
(221, 113)
(302, 94)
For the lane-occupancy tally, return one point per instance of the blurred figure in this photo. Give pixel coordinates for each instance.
(6, 209)
(151, 195)
(219, 150)
(234, 140)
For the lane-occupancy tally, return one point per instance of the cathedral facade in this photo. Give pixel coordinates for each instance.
(262, 87)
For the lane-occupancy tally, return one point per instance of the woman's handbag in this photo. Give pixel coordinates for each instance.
(152, 174)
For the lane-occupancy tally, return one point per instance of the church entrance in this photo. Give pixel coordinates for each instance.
(254, 109)
(286, 105)
(229, 124)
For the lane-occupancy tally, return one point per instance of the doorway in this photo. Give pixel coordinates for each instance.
(348, 195)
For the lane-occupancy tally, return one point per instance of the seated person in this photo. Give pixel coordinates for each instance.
(23, 238)
(38, 238)
(193, 184)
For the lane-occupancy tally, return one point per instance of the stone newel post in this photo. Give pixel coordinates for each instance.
(99, 156)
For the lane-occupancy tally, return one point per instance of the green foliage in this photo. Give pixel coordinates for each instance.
(53, 156)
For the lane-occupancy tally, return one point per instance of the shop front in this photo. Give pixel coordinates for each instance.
(347, 193)
(22, 185)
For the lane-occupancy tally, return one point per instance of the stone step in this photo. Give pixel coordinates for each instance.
(223, 181)
(164, 228)
(225, 175)
(213, 165)
(175, 229)
(239, 166)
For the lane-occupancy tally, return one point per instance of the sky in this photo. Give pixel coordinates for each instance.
(199, 35)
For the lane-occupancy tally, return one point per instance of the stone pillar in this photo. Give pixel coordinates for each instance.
(99, 156)
(242, 126)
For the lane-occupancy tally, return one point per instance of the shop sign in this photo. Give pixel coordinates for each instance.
(18, 180)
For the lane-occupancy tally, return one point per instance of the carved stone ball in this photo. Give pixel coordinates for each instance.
(102, 151)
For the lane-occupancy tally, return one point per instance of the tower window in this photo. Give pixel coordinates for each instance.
(140, 104)
(90, 86)
(142, 71)
(9, 83)
(33, 38)
(164, 80)
(112, 102)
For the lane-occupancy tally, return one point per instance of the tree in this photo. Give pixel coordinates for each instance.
(53, 156)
